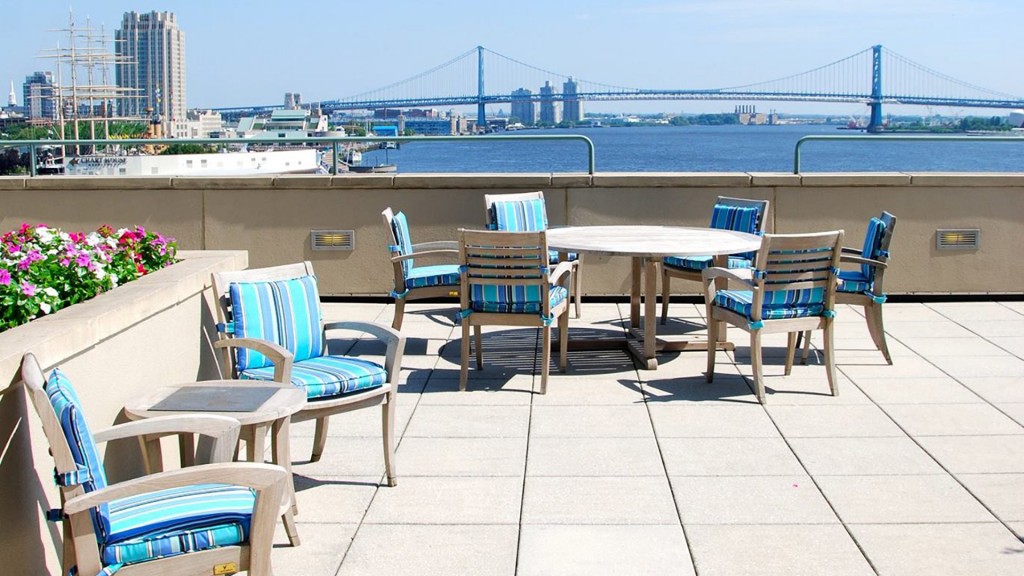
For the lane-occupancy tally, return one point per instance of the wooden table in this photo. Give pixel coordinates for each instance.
(260, 407)
(647, 246)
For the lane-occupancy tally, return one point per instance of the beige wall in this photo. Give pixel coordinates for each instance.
(271, 216)
(164, 319)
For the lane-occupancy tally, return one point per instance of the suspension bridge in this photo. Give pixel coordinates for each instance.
(874, 76)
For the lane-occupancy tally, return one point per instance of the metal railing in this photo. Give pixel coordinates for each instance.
(891, 138)
(333, 142)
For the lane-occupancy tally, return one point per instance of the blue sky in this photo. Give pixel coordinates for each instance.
(252, 52)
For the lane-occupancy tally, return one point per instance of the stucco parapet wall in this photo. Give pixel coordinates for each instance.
(846, 179)
(671, 180)
(302, 182)
(221, 182)
(571, 181)
(97, 182)
(363, 181)
(12, 182)
(973, 180)
(67, 332)
(481, 181)
(773, 179)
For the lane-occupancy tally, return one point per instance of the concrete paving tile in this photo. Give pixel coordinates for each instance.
(415, 550)
(697, 421)
(948, 549)
(1014, 410)
(727, 389)
(363, 423)
(971, 367)
(603, 551)
(325, 500)
(932, 498)
(911, 312)
(943, 390)
(952, 420)
(342, 457)
(598, 500)
(321, 550)
(594, 457)
(955, 347)
(1000, 492)
(938, 329)
(578, 390)
(822, 549)
(966, 312)
(997, 389)
(977, 454)
(469, 422)
(1011, 326)
(461, 456)
(591, 422)
(863, 456)
(448, 500)
(1012, 344)
(517, 390)
(832, 421)
(794, 391)
(910, 367)
(791, 499)
(728, 457)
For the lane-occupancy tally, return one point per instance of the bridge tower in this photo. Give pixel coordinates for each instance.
(875, 125)
(481, 113)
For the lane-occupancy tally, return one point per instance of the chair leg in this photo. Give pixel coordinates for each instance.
(665, 292)
(464, 370)
(388, 428)
(873, 313)
(807, 348)
(791, 339)
(755, 363)
(319, 439)
(830, 358)
(712, 349)
(478, 336)
(563, 342)
(399, 313)
(577, 286)
(545, 358)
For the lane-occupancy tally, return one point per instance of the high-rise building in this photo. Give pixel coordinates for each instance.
(572, 106)
(38, 97)
(523, 106)
(12, 98)
(548, 112)
(151, 62)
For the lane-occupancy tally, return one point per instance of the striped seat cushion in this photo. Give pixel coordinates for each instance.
(177, 521)
(853, 281)
(285, 312)
(519, 215)
(328, 376)
(513, 300)
(400, 227)
(698, 263)
(439, 275)
(777, 304)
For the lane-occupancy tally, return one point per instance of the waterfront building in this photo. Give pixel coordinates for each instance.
(523, 106)
(204, 123)
(150, 52)
(38, 97)
(572, 106)
(294, 125)
(12, 98)
(292, 100)
(548, 110)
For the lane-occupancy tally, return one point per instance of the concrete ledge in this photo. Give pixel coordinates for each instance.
(839, 179)
(97, 183)
(773, 179)
(571, 180)
(363, 181)
(302, 181)
(12, 182)
(670, 180)
(222, 183)
(472, 181)
(960, 180)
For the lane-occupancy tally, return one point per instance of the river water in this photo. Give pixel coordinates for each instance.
(702, 149)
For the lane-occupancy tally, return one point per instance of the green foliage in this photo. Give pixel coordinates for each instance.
(355, 130)
(187, 148)
(716, 119)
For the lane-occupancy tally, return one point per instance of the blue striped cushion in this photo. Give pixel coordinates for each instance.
(285, 312)
(328, 376)
(520, 215)
(853, 281)
(176, 521)
(872, 246)
(777, 304)
(512, 300)
(698, 263)
(569, 257)
(438, 275)
(68, 410)
(738, 218)
(400, 226)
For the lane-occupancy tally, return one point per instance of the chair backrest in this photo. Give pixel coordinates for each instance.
(797, 270)
(399, 244)
(522, 212)
(78, 467)
(280, 304)
(504, 272)
(740, 215)
(877, 239)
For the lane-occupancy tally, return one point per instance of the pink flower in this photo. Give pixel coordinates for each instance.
(77, 237)
(82, 259)
(28, 289)
(25, 264)
(5, 277)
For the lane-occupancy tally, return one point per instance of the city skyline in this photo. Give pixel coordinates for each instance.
(237, 57)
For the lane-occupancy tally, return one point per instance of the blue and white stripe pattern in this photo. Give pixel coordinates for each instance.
(400, 227)
(853, 281)
(872, 247)
(508, 299)
(723, 217)
(777, 304)
(328, 376)
(437, 275)
(285, 312)
(520, 215)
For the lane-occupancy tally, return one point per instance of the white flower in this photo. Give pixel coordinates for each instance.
(65, 236)
(45, 307)
(51, 291)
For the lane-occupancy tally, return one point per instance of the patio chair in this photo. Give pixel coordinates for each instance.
(506, 281)
(215, 518)
(271, 328)
(737, 214)
(527, 212)
(418, 282)
(791, 288)
(864, 286)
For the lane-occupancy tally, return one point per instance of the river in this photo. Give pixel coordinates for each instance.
(702, 149)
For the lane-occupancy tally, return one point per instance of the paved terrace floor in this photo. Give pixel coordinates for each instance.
(915, 468)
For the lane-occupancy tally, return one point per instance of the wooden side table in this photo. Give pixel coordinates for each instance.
(260, 407)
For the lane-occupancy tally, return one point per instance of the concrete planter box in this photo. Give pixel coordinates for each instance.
(151, 332)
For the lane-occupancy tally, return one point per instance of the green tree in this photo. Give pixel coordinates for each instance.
(186, 148)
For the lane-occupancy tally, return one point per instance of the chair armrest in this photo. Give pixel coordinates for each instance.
(561, 269)
(848, 250)
(739, 274)
(259, 477)
(444, 245)
(425, 254)
(221, 430)
(278, 355)
(858, 259)
(393, 338)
